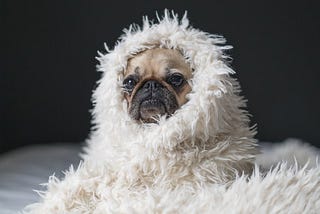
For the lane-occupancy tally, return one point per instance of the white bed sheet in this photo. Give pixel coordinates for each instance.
(22, 170)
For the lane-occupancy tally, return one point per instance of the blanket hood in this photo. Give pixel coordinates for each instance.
(209, 133)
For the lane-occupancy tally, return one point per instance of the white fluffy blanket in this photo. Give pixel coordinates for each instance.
(198, 161)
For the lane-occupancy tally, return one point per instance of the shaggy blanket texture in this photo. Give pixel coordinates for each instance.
(197, 161)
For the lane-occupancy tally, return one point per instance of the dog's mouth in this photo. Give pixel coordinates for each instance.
(152, 109)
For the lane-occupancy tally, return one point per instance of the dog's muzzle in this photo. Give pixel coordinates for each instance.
(152, 100)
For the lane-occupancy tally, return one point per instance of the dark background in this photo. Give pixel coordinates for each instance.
(48, 62)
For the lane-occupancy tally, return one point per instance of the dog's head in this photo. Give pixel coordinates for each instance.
(156, 83)
(141, 82)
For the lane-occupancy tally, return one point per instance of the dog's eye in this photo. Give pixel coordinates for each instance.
(129, 84)
(176, 79)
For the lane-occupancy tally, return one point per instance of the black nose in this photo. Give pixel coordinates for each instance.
(152, 85)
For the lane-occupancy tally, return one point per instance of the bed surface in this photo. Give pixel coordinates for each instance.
(22, 170)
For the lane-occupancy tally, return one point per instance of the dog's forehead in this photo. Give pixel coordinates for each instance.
(157, 62)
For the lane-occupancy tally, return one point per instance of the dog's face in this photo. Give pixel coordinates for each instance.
(155, 83)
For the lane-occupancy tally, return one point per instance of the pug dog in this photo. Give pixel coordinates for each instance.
(156, 84)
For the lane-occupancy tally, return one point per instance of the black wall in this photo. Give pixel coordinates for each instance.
(48, 62)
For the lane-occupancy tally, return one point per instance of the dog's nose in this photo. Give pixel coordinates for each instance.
(152, 85)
